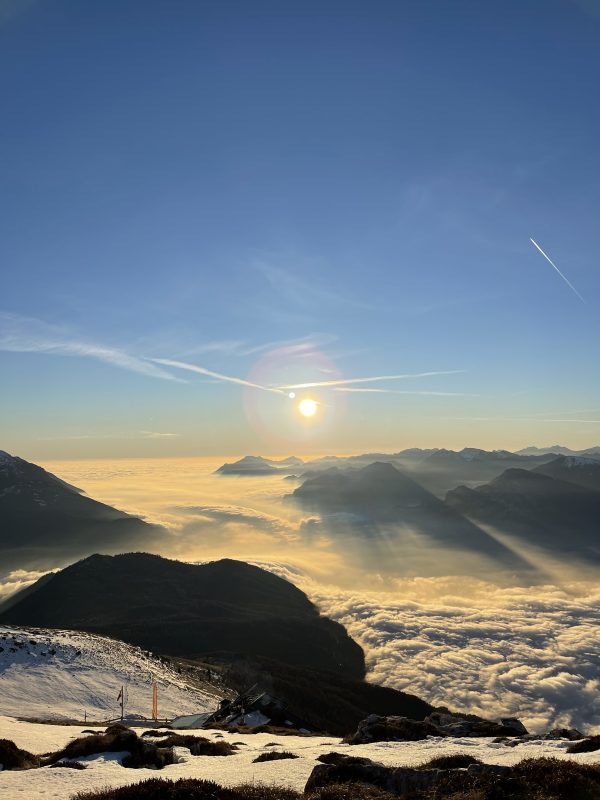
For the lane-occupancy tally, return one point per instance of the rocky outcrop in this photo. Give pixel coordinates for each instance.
(401, 729)
(392, 729)
(398, 780)
(589, 745)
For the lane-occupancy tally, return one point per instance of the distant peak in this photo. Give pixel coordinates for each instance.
(382, 467)
(580, 461)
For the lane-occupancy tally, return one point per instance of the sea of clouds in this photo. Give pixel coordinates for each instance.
(532, 652)
(489, 646)
(528, 652)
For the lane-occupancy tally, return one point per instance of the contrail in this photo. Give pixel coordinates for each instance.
(218, 375)
(370, 390)
(345, 382)
(309, 385)
(565, 279)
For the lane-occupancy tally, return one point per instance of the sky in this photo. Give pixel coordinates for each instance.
(291, 193)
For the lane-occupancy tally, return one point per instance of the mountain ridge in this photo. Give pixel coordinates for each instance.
(183, 609)
(45, 521)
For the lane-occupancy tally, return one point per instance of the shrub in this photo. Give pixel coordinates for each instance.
(159, 754)
(114, 739)
(69, 764)
(560, 778)
(189, 789)
(274, 755)
(588, 745)
(456, 761)
(532, 779)
(339, 759)
(197, 745)
(351, 791)
(12, 757)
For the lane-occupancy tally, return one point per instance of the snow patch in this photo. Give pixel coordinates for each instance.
(53, 674)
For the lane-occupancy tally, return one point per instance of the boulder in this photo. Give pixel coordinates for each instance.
(392, 729)
(470, 725)
(397, 780)
(514, 724)
(572, 734)
(589, 745)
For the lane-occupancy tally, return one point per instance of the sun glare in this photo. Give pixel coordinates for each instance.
(308, 407)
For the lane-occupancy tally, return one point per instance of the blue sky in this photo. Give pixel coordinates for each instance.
(298, 190)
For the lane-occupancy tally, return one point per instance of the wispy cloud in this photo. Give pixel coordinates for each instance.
(300, 292)
(346, 381)
(524, 419)
(369, 390)
(305, 344)
(549, 260)
(20, 334)
(211, 374)
(118, 435)
(158, 435)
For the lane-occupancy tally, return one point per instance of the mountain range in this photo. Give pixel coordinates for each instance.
(223, 608)
(555, 506)
(554, 514)
(437, 469)
(45, 522)
(257, 465)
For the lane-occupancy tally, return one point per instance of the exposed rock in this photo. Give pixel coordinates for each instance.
(440, 723)
(572, 734)
(392, 729)
(339, 758)
(589, 745)
(473, 726)
(398, 780)
(515, 724)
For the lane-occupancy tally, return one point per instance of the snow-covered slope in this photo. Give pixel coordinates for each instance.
(55, 674)
(105, 770)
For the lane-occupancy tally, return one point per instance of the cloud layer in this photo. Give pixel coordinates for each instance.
(528, 652)
(477, 645)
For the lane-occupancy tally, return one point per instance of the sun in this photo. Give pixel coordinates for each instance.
(308, 407)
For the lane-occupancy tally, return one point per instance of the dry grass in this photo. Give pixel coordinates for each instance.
(589, 745)
(12, 757)
(274, 755)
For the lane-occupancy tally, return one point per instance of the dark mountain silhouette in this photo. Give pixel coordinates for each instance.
(554, 514)
(326, 702)
(257, 465)
(380, 495)
(45, 521)
(559, 450)
(583, 470)
(444, 470)
(378, 490)
(224, 607)
(436, 469)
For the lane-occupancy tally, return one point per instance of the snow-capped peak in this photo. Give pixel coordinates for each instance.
(581, 461)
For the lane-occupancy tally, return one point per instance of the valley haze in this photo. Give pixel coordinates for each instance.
(300, 399)
(453, 626)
